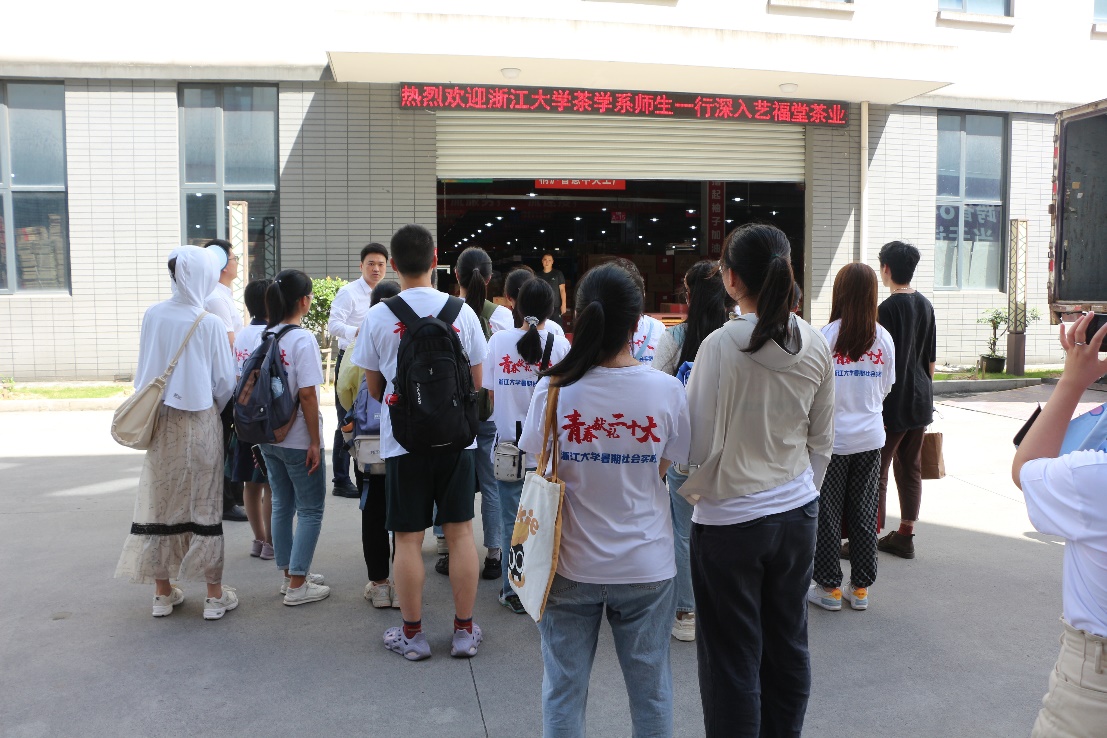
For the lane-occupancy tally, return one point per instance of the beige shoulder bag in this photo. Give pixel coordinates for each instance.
(135, 420)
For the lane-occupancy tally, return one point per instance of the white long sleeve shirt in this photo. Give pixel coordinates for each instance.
(348, 309)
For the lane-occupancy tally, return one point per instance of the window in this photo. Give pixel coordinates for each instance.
(969, 233)
(34, 215)
(1100, 10)
(229, 154)
(983, 7)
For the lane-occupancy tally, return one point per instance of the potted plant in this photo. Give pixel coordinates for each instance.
(991, 362)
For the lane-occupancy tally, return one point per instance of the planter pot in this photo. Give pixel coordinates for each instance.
(993, 364)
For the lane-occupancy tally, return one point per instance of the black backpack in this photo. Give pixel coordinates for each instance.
(264, 408)
(433, 408)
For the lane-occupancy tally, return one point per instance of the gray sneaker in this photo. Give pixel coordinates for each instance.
(313, 578)
(164, 604)
(307, 592)
(215, 608)
(415, 649)
(465, 643)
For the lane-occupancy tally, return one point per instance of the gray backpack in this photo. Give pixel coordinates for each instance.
(264, 407)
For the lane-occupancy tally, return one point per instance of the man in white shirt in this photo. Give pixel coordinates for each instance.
(221, 304)
(1065, 496)
(347, 311)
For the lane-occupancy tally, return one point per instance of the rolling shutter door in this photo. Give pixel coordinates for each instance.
(512, 146)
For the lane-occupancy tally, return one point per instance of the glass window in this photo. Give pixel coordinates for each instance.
(250, 135)
(41, 229)
(262, 213)
(200, 120)
(3, 245)
(969, 229)
(200, 224)
(984, 7)
(1101, 10)
(36, 131)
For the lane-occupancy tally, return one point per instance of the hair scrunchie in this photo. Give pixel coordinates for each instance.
(530, 319)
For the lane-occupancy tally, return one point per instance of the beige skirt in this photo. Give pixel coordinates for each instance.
(178, 521)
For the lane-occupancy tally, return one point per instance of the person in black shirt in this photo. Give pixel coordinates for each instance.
(909, 407)
(556, 280)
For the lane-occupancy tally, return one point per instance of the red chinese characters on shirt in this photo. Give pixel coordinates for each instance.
(579, 431)
(876, 357)
(639, 341)
(241, 356)
(507, 366)
(284, 358)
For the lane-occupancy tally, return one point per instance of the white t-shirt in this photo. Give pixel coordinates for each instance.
(205, 371)
(379, 353)
(614, 427)
(304, 366)
(859, 391)
(647, 336)
(555, 329)
(513, 379)
(501, 319)
(1067, 497)
(246, 342)
(221, 303)
(779, 499)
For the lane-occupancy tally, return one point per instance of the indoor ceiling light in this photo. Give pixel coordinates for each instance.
(532, 194)
(730, 220)
(693, 228)
(774, 212)
(604, 209)
(789, 87)
(653, 220)
(510, 72)
(691, 212)
(487, 225)
(603, 232)
(641, 237)
(570, 240)
(541, 230)
(737, 199)
(512, 207)
(500, 217)
(577, 218)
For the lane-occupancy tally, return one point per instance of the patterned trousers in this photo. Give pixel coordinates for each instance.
(849, 491)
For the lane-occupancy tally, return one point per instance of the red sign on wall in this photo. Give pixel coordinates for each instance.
(715, 218)
(623, 103)
(580, 184)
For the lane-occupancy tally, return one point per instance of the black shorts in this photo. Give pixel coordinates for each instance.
(414, 483)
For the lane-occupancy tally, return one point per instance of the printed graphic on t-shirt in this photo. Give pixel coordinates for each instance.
(874, 358)
(581, 432)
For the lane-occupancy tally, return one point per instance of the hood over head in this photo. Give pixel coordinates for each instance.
(195, 275)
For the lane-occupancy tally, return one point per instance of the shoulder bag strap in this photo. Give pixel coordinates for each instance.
(518, 431)
(402, 310)
(548, 428)
(177, 357)
(449, 312)
(545, 363)
(645, 343)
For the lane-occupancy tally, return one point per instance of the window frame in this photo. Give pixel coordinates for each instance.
(961, 201)
(8, 191)
(1008, 9)
(220, 188)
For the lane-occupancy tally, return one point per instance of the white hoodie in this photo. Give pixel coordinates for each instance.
(205, 371)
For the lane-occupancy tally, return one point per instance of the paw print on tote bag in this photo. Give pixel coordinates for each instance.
(526, 525)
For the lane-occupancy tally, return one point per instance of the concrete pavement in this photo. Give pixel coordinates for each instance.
(957, 642)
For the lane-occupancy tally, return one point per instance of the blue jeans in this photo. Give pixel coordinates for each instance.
(489, 487)
(641, 617)
(340, 455)
(295, 493)
(510, 492)
(682, 529)
(751, 582)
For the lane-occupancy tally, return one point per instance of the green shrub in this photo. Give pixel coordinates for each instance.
(323, 291)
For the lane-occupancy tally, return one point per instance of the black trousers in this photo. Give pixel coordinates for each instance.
(750, 581)
(232, 491)
(340, 455)
(374, 535)
(849, 491)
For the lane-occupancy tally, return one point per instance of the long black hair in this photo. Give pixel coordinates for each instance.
(534, 304)
(609, 304)
(708, 305)
(385, 289)
(290, 286)
(514, 282)
(254, 297)
(762, 258)
(474, 269)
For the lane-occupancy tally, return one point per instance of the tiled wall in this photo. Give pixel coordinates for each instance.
(124, 219)
(354, 168)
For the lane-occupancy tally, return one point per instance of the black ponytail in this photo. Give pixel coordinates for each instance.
(474, 269)
(281, 297)
(609, 304)
(762, 258)
(514, 282)
(535, 302)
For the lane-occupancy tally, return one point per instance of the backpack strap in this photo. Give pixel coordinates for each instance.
(402, 310)
(279, 334)
(545, 363)
(449, 312)
(486, 318)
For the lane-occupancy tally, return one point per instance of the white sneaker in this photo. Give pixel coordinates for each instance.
(441, 547)
(164, 604)
(216, 608)
(308, 592)
(313, 578)
(379, 594)
(685, 629)
(858, 597)
(827, 599)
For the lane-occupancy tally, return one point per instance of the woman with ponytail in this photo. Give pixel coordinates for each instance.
(516, 278)
(619, 425)
(708, 307)
(511, 367)
(474, 270)
(762, 398)
(296, 467)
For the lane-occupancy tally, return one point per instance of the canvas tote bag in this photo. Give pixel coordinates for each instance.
(135, 420)
(536, 538)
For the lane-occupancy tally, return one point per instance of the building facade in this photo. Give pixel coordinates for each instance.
(106, 165)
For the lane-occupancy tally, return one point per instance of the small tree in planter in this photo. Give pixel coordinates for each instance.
(323, 292)
(991, 362)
